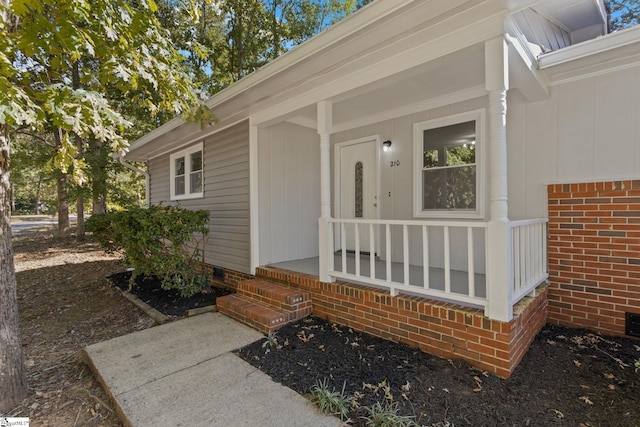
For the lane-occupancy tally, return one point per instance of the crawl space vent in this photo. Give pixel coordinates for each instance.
(632, 324)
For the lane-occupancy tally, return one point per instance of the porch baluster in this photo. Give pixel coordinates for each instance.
(425, 257)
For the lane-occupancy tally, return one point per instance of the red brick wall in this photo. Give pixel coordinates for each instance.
(231, 277)
(442, 329)
(594, 254)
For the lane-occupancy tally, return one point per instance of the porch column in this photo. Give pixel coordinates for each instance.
(325, 127)
(499, 274)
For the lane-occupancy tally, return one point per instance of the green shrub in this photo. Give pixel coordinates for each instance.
(160, 240)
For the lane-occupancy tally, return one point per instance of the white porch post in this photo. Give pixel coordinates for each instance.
(499, 283)
(325, 125)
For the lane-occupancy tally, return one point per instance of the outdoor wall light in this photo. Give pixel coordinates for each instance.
(386, 146)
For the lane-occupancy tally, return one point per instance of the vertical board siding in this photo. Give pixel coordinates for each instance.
(226, 196)
(588, 130)
(289, 192)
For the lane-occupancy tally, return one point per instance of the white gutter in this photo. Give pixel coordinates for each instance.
(590, 47)
(120, 157)
(354, 23)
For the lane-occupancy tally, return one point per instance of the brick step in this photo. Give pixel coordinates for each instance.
(258, 315)
(278, 296)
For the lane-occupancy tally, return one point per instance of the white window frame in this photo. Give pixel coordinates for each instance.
(186, 153)
(418, 147)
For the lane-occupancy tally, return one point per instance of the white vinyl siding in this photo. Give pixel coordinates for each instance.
(225, 195)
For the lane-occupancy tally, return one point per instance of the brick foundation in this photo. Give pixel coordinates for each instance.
(231, 277)
(439, 328)
(594, 254)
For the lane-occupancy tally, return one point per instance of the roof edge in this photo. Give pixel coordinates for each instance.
(590, 47)
(352, 24)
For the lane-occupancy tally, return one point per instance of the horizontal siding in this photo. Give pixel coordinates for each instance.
(226, 196)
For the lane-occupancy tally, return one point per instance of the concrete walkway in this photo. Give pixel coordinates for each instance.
(183, 374)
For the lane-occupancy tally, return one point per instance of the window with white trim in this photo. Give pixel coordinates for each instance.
(187, 176)
(447, 166)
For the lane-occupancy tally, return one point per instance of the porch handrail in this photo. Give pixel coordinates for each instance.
(529, 256)
(369, 227)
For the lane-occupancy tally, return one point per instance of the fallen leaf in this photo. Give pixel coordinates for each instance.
(577, 363)
(612, 387)
(477, 390)
(586, 400)
(586, 387)
(558, 414)
(609, 376)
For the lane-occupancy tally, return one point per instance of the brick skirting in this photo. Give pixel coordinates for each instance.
(594, 254)
(443, 329)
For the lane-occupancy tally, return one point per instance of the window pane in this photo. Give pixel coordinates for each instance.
(195, 183)
(358, 202)
(450, 145)
(449, 188)
(179, 166)
(179, 185)
(196, 161)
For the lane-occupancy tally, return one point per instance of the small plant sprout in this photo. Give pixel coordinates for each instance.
(387, 416)
(331, 401)
(272, 340)
(637, 365)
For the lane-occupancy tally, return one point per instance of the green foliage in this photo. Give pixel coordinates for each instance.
(379, 415)
(330, 401)
(233, 38)
(623, 14)
(160, 240)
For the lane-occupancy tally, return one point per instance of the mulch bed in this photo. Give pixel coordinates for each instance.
(569, 377)
(168, 302)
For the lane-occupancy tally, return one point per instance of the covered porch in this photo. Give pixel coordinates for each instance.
(379, 233)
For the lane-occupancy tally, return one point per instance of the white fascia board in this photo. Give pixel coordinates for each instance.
(360, 19)
(590, 47)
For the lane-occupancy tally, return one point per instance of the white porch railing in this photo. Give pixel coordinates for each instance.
(350, 234)
(529, 256)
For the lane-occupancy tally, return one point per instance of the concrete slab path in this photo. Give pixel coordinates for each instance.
(183, 374)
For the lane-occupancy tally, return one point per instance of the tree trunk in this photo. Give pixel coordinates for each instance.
(98, 172)
(38, 207)
(80, 234)
(63, 206)
(13, 387)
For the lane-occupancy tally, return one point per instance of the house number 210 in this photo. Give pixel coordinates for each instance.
(393, 163)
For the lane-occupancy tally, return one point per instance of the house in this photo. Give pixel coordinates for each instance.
(450, 174)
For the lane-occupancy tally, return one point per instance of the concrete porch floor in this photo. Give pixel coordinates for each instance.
(459, 279)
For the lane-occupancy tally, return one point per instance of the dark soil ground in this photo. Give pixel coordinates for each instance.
(568, 377)
(169, 301)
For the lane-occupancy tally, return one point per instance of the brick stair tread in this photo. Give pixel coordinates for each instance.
(273, 294)
(254, 312)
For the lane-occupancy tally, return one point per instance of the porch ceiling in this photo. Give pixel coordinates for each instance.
(455, 73)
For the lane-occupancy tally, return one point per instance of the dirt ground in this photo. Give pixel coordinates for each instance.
(569, 377)
(66, 303)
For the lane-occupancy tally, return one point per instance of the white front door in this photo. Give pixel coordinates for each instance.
(358, 184)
